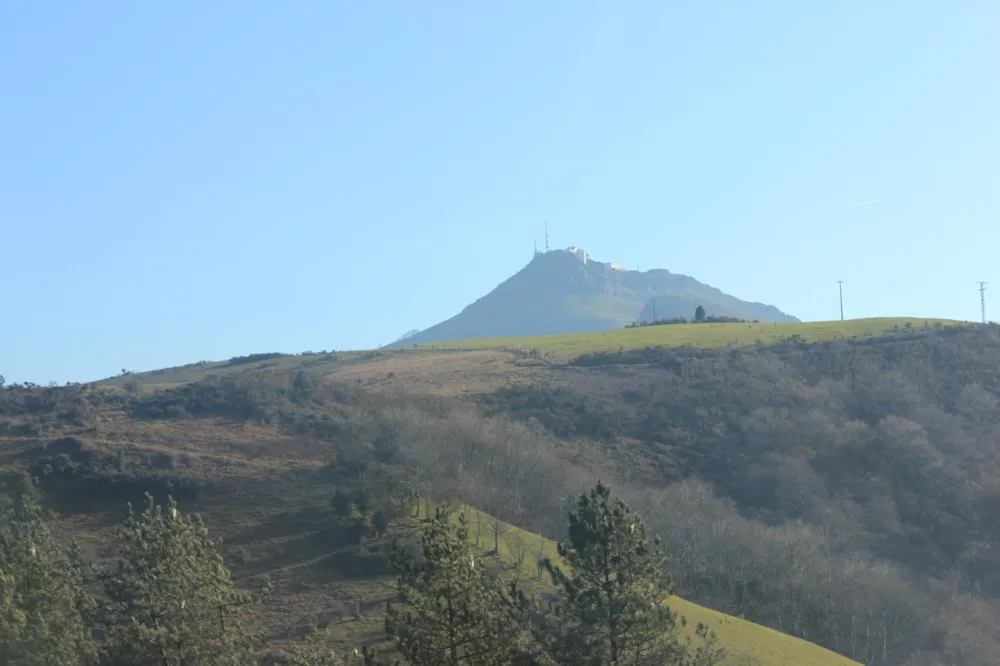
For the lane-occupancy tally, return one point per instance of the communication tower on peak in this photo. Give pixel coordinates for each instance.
(982, 299)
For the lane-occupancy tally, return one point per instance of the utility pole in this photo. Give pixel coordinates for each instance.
(840, 286)
(654, 310)
(982, 299)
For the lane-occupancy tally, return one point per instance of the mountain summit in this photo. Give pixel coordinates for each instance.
(565, 291)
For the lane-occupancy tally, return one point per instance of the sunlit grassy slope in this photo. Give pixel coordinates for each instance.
(746, 643)
(698, 335)
(557, 347)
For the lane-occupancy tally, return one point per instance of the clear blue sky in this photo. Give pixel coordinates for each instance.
(193, 180)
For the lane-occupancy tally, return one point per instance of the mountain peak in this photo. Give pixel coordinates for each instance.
(578, 254)
(567, 291)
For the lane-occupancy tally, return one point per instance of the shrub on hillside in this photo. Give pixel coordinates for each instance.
(253, 358)
(342, 503)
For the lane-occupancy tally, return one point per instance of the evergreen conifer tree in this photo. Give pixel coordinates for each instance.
(451, 613)
(612, 604)
(171, 601)
(44, 619)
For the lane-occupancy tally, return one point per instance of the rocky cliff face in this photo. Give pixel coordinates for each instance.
(564, 292)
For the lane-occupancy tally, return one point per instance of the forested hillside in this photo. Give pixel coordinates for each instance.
(843, 492)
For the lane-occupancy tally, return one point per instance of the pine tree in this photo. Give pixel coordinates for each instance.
(43, 604)
(451, 613)
(171, 601)
(612, 607)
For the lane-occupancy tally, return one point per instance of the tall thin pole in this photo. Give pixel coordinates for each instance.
(982, 299)
(840, 286)
(546, 236)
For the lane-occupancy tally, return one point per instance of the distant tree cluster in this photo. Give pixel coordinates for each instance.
(371, 517)
(254, 358)
(408, 334)
(72, 472)
(699, 318)
(291, 400)
(659, 322)
(271, 356)
(30, 410)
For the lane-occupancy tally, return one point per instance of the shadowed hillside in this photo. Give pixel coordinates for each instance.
(271, 491)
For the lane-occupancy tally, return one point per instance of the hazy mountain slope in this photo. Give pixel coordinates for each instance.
(558, 292)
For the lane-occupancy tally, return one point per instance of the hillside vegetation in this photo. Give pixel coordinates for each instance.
(840, 491)
(268, 495)
(163, 554)
(523, 351)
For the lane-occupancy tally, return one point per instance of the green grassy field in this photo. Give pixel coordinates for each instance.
(698, 335)
(746, 643)
(556, 347)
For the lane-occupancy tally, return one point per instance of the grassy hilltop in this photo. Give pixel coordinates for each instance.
(698, 335)
(504, 351)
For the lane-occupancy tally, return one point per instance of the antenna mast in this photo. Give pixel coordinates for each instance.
(546, 236)
(982, 299)
(840, 287)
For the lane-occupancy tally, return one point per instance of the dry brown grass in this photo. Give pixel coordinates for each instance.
(435, 373)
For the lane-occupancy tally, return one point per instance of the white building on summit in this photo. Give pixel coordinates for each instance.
(580, 252)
